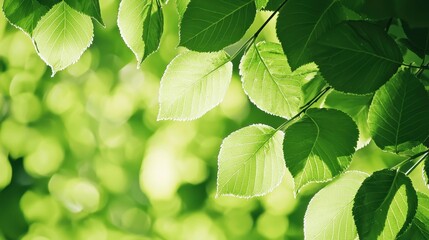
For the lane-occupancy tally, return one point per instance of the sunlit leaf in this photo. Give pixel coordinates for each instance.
(212, 25)
(357, 57)
(193, 84)
(141, 26)
(328, 215)
(301, 23)
(62, 35)
(269, 82)
(419, 228)
(399, 114)
(319, 146)
(251, 162)
(88, 7)
(384, 205)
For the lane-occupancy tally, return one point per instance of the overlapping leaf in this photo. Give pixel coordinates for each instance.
(212, 25)
(88, 7)
(399, 114)
(384, 205)
(301, 23)
(329, 213)
(141, 24)
(269, 82)
(251, 162)
(193, 84)
(357, 57)
(319, 146)
(417, 39)
(419, 229)
(62, 35)
(181, 6)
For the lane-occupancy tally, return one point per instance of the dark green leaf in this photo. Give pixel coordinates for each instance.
(212, 25)
(181, 6)
(399, 114)
(301, 23)
(384, 205)
(418, 38)
(272, 5)
(379, 9)
(414, 12)
(419, 229)
(318, 146)
(357, 57)
(88, 7)
(153, 27)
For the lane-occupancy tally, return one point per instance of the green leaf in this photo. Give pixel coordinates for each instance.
(312, 85)
(273, 5)
(269, 82)
(212, 25)
(357, 57)
(62, 35)
(379, 9)
(414, 12)
(419, 228)
(328, 215)
(356, 106)
(399, 114)
(319, 146)
(181, 6)
(301, 23)
(251, 162)
(24, 14)
(88, 7)
(426, 171)
(418, 38)
(384, 205)
(260, 4)
(193, 84)
(141, 25)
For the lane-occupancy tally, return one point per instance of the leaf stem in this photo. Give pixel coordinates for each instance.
(417, 163)
(399, 165)
(305, 107)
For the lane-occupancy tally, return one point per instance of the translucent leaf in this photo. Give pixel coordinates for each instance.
(269, 82)
(319, 146)
(356, 106)
(328, 215)
(357, 57)
(88, 7)
(62, 35)
(301, 23)
(399, 114)
(212, 25)
(384, 205)
(251, 162)
(24, 14)
(193, 84)
(141, 25)
(419, 228)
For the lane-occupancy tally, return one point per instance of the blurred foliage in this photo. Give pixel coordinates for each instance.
(83, 157)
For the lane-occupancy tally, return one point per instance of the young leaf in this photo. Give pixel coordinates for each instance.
(357, 57)
(181, 6)
(62, 35)
(193, 84)
(212, 25)
(260, 4)
(356, 106)
(88, 7)
(318, 147)
(251, 162)
(419, 228)
(141, 25)
(268, 80)
(301, 23)
(384, 205)
(399, 114)
(24, 14)
(328, 215)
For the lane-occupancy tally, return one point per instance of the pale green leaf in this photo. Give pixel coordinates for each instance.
(329, 213)
(212, 25)
(193, 84)
(62, 35)
(319, 146)
(301, 23)
(384, 205)
(251, 162)
(181, 6)
(356, 106)
(399, 114)
(88, 7)
(269, 82)
(357, 57)
(419, 228)
(141, 23)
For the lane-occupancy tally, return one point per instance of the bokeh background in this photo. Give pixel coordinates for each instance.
(83, 157)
